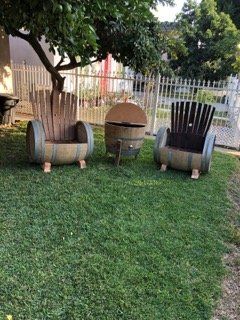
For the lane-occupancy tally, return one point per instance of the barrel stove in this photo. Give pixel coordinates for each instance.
(124, 130)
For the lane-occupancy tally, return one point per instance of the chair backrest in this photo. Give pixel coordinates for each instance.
(57, 112)
(190, 122)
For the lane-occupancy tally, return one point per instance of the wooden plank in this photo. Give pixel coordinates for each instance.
(72, 121)
(203, 116)
(49, 115)
(56, 115)
(67, 117)
(180, 125)
(34, 105)
(197, 118)
(43, 107)
(62, 116)
(191, 117)
(210, 118)
(38, 110)
(206, 119)
(185, 120)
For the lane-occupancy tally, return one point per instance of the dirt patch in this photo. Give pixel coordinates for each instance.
(229, 305)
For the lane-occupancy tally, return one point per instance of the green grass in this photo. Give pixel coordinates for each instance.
(110, 243)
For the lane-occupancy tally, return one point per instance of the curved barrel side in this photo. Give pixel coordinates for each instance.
(207, 152)
(160, 142)
(85, 135)
(35, 140)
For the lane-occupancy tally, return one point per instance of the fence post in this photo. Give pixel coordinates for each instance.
(77, 93)
(155, 103)
(236, 116)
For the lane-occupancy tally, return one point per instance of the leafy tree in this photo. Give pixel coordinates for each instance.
(231, 7)
(210, 38)
(85, 31)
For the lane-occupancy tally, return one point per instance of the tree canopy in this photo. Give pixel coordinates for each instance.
(85, 31)
(231, 7)
(210, 39)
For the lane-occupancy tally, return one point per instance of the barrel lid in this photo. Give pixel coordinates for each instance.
(126, 112)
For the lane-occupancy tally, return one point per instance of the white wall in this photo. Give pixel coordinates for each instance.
(5, 68)
(20, 51)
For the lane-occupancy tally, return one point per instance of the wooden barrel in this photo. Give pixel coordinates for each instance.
(65, 152)
(180, 159)
(35, 140)
(131, 135)
(85, 135)
(125, 123)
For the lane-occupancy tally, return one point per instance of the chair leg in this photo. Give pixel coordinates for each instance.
(118, 154)
(82, 164)
(46, 166)
(163, 167)
(195, 174)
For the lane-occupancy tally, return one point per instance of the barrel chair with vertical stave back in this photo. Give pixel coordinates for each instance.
(54, 137)
(188, 145)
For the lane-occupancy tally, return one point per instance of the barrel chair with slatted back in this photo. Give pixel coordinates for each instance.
(188, 145)
(54, 137)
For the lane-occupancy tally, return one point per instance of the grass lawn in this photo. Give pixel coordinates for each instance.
(110, 243)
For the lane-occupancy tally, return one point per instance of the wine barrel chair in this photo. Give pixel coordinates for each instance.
(188, 145)
(54, 137)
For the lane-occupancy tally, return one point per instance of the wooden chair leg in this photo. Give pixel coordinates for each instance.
(163, 168)
(46, 167)
(82, 164)
(119, 151)
(195, 174)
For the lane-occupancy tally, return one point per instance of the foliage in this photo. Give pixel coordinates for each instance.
(231, 7)
(205, 96)
(210, 39)
(82, 30)
(110, 243)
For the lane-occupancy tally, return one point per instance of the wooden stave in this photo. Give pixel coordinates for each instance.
(84, 134)
(128, 135)
(35, 141)
(179, 159)
(160, 141)
(65, 153)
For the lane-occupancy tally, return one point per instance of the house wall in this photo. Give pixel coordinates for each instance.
(5, 69)
(21, 51)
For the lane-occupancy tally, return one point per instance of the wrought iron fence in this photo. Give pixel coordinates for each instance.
(98, 92)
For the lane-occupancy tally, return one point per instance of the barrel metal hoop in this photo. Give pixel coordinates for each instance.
(170, 157)
(77, 152)
(42, 142)
(189, 163)
(39, 137)
(159, 143)
(207, 152)
(54, 152)
(90, 138)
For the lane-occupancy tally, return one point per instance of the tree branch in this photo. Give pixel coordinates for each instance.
(42, 56)
(72, 64)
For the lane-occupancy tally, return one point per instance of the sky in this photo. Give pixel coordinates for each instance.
(167, 13)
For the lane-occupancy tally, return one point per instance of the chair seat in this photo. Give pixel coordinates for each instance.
(180, 159)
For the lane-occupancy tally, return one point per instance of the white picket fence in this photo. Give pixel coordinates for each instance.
(98, 92)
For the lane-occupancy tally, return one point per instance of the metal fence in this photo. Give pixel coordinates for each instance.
(98, 92)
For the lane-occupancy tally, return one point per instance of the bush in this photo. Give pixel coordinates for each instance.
(205, 96)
